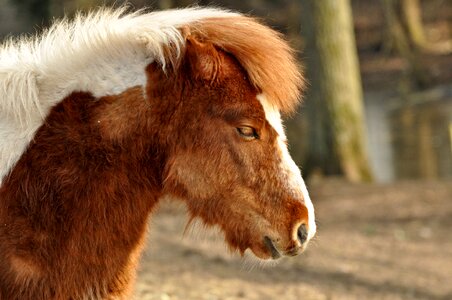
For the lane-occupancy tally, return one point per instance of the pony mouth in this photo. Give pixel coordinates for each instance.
(275, 254)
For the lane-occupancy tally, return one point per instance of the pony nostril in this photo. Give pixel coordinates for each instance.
(302, 233)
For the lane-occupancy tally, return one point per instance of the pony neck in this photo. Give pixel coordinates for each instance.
(82, 192)
(129, 122)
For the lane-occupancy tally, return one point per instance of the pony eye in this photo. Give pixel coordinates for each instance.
(247, 132)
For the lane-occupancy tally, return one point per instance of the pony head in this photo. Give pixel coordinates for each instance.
(227, 151)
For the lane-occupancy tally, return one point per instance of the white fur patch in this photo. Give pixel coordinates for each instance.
(272, 115)
(288, 165)
(104, 53)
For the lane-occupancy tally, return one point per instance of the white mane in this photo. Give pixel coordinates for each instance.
(104, 52)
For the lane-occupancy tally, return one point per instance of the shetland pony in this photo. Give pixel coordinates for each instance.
(102, 116)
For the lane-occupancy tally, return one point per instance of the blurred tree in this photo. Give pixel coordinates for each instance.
(404, 25)
(165, 4)
(36, 12)
(405, 35)
(334, 101)
(413, 21)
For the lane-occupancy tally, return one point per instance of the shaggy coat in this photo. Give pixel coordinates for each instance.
(104, 115)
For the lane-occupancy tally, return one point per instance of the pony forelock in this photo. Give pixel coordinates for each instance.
(267, 58)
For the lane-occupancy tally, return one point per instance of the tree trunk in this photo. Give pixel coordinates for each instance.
(404, 24)
(405, 36)
(411, 10)
(396, 37)
(334, 101)
(428, 165)
(165, 4)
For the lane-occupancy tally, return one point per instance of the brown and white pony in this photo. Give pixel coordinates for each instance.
(102, 116)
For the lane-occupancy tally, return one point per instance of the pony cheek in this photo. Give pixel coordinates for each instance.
(188, 179)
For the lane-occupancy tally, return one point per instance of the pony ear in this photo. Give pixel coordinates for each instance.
(204, 60)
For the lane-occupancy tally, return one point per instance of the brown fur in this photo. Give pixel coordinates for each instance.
(267, 58)
(73, 211)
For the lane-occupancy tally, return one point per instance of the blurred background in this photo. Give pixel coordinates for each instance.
(373, 137)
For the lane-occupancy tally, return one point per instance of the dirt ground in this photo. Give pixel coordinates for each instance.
(374, 242)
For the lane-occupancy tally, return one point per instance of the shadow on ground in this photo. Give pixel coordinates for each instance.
(374, 242)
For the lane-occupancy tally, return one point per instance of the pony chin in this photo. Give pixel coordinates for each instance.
(198, 230)
(252, 261)
(201, 231)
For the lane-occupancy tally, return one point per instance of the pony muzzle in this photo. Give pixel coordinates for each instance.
(295, 246)
(275, 254)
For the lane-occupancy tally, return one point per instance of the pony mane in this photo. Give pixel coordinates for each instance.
(105, 52)
(58, 62)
